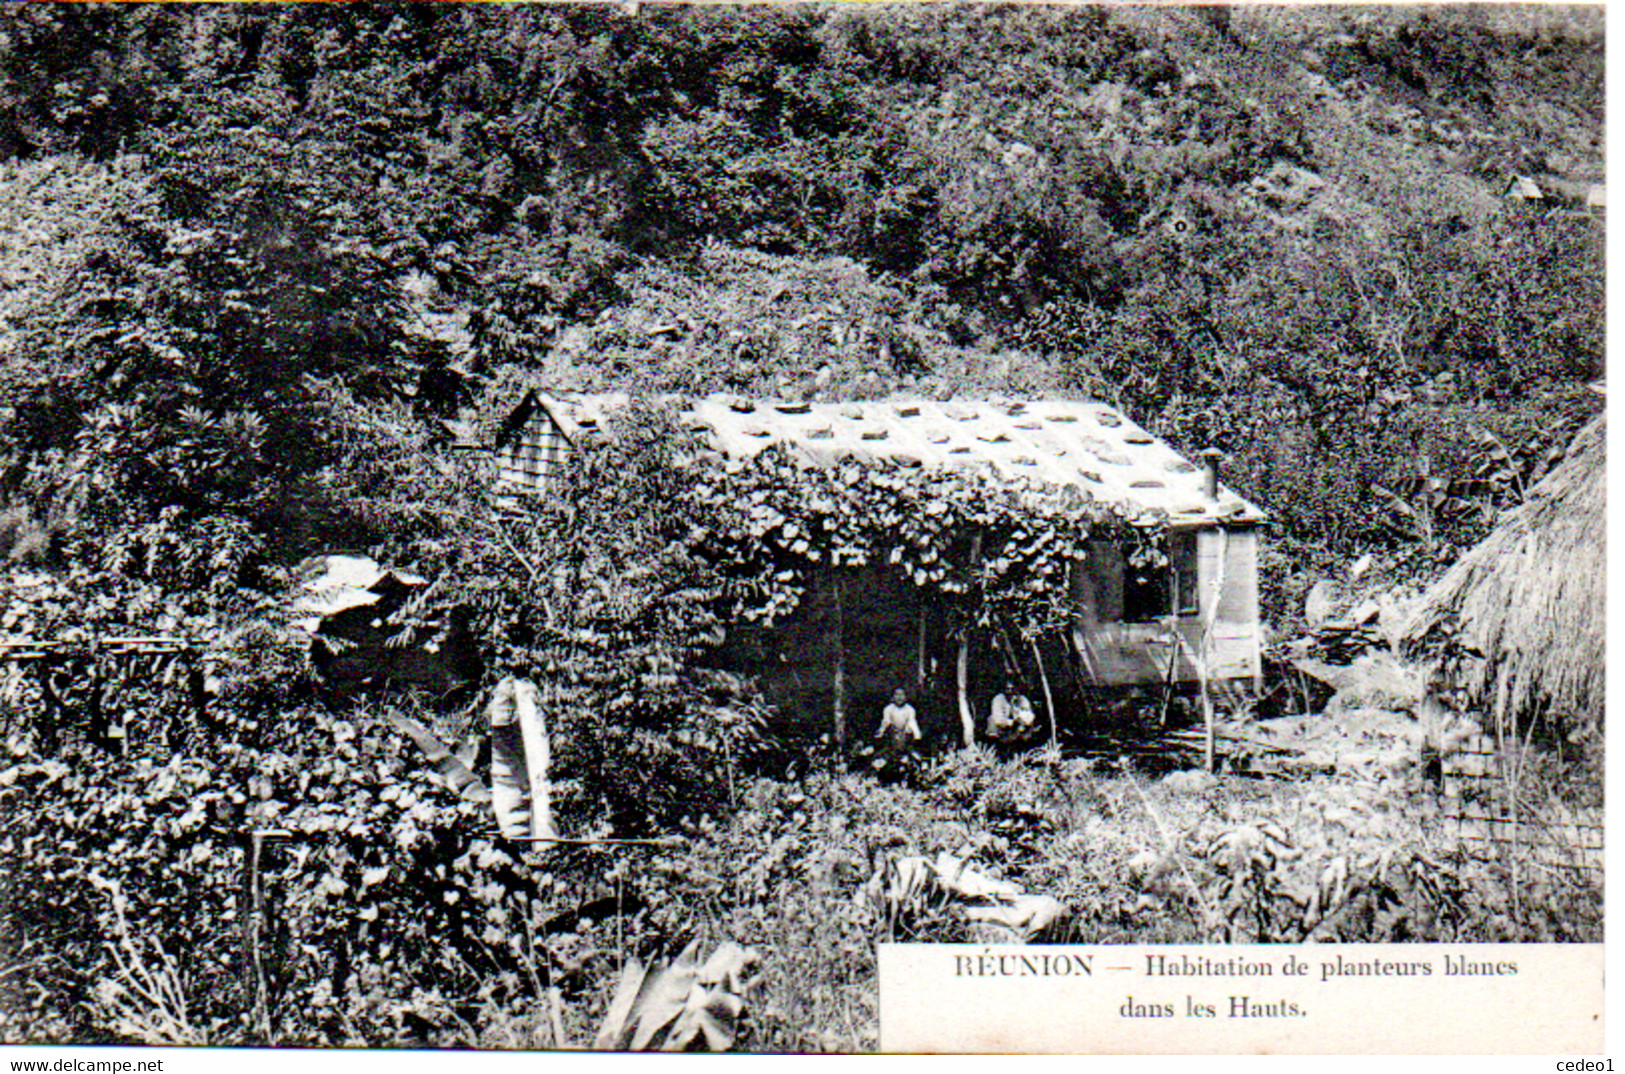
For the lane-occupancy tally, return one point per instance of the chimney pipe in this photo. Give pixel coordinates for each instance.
(1210, 472)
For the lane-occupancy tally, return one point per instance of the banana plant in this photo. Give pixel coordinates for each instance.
(685, 1005)
(1421, 504)
(518, 790)
(520, 757)
(1512, 470)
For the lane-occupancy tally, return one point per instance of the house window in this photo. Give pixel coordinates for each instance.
(1146, 592)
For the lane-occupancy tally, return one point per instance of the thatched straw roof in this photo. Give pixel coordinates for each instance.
(1531, 596)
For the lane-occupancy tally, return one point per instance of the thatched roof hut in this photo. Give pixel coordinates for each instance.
(1531, 597)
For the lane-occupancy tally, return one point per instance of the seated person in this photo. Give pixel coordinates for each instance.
(1001, 719)
(1011, 717)
(1026, 721)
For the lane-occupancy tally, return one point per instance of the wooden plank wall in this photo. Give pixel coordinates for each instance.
(1119, 654)
(531, 460)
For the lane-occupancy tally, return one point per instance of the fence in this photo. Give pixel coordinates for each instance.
(1480, 812)
(53, 691)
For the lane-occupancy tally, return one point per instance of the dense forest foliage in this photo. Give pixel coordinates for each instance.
(251, 256)
(1279, 233)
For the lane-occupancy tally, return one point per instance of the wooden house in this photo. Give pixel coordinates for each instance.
(1131, 627)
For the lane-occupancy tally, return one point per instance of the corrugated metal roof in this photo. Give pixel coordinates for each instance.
(1086, 445)
(574, 414)
(336, 583)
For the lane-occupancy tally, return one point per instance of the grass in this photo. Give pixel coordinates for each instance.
(1183, 858)
(1136, 858)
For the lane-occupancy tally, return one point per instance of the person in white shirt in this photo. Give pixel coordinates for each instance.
(1026, 719)
(1001, 721)
(1011, 718)
(898, 724)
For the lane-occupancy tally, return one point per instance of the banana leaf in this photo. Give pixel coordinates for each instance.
(680, 1006)
(519, 761)
(454, 768)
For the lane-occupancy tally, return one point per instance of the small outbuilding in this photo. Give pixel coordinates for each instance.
(371, 628)
(541, 431)
(1524, 189)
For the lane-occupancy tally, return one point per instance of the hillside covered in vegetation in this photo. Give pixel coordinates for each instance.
(1278, 232)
